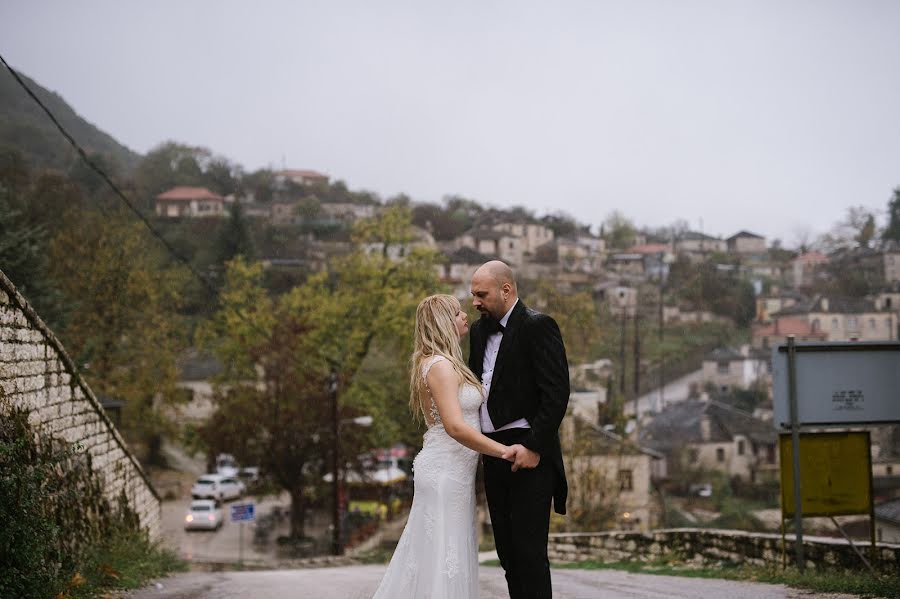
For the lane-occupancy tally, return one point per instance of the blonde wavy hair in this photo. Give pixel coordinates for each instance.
(435, 335)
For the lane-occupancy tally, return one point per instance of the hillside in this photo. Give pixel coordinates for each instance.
(25, 127)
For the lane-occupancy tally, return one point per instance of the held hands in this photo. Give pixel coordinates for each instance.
(521, 457)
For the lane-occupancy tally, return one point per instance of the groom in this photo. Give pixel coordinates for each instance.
(519, 356)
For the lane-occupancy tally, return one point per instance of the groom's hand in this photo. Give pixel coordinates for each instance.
(509, 454)
(525, 458)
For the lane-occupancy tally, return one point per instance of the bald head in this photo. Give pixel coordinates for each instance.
(494, 289)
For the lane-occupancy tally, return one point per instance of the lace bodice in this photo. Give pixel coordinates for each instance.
(470, 399)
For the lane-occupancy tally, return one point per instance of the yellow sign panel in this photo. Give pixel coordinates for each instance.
(835, 474)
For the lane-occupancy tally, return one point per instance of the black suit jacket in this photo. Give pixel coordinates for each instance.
(531, 381)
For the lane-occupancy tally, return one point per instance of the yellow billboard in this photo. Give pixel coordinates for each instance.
(835, 474)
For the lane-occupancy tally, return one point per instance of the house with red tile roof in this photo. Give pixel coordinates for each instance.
(190, 202)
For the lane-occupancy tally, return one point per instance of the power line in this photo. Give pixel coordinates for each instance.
(171, 250)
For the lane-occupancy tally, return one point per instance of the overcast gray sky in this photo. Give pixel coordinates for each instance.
(768, 116)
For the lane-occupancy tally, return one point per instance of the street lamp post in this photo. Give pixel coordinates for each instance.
(336, 547)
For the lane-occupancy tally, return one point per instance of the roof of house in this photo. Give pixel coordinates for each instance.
(744, 235)
(648, 248)
(485, 233)
(680, 423)
(305, 173)
(731, 354)
(889, 511)
(831, 305)
(788, 326)
(696, 236)
(185, 193)
(467, 255)
(609, 443)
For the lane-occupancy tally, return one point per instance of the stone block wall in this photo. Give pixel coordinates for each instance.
(36, 374)
(706, 547)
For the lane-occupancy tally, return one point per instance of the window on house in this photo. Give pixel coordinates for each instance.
(852, 322)
(740, 448)
(815, 325)
(889, 470)
(887, 302)
(693, 455)
(872, 324)
(722, 367)
(834, 324)
(626, 482)
(720, 454)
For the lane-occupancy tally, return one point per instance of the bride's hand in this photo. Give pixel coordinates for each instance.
(509, 454)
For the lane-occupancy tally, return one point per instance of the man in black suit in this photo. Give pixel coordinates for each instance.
(519, 356)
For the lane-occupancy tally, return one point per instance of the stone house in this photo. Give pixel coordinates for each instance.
(713, 435)
(300, 177)
(891, 261)
(617, 297)
(348, 212)
(729, 368)
(458, 269)
(190, 202)
(764, 335)
(746, 243)
(845, 318)
(766, 305)
(805, 268)
(611, 472)
(283, 213)
(698, 244)
(397, 251)
(506, 246)
(533, 235)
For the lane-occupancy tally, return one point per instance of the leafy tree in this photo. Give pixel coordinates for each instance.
(576, 316)
(168, 165)
(892, 230)
(353, 319)
(233, 237)
(122, 326)
(309, 207)
(619, 231)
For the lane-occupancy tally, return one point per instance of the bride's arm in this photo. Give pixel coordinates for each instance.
(444, 384)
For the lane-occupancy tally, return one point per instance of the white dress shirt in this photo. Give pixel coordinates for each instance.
(487, 375)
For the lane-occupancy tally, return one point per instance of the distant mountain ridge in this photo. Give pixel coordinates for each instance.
(26, 128)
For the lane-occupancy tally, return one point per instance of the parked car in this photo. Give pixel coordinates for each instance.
(217, 486)
(226, 465)
(204, 514)
(249, 475)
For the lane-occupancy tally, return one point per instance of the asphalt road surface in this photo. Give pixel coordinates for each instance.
(360, 582)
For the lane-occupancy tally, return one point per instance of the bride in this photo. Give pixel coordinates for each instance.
(437, 555)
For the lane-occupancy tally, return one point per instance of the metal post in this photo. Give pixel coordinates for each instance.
(795, 453)
(336, 548)
(662, 354)
(241, 545)
(622, 353)
(637, 375)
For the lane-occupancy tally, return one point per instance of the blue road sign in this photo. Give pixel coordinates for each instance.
(242, 512)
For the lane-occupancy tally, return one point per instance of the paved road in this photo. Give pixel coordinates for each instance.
(360, 582)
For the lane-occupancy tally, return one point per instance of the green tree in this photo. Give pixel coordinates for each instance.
(892, 230)
(575, 314)
(619, 231)
(123, 325)
(353, 319)
(233, 237)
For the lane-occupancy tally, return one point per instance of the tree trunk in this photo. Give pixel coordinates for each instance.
(298, 512)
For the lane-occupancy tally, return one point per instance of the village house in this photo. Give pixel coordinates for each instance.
(764, 335)
(533, 235)
(608, 473)
(844, 318)
(806, 267)
(190, 202)
(300, 177)
(742, 368)
(347, 212)
(458, 269)
(628, 265)
(766, 305)
(713, 435)
(746, 243)
(890, 251)
(888, 298)
(617, 297)
(283, 213)
(505, 246)
(887, 522)
(698, 245)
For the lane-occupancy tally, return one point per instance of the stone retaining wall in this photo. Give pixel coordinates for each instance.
(36, 374)
(713, 547)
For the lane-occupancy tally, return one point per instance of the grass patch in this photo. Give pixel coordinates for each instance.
(379, 555)
(858, 583)
(125, 560)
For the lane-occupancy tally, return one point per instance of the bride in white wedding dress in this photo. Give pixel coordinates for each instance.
(437, 555)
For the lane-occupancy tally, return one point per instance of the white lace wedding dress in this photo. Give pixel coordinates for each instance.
(437, 555)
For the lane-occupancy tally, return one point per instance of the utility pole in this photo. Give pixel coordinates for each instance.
(336, 548)
(637, 373)
(622, 350)
(662, 354)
